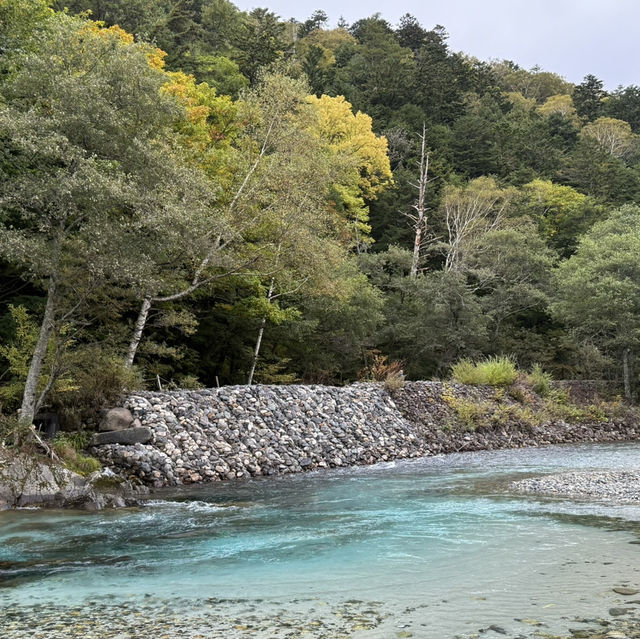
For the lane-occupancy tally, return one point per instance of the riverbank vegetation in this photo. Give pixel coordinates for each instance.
(192, 195)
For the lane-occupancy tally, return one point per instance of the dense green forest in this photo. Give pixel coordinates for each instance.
(194, 195)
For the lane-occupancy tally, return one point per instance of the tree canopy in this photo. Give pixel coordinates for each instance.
(204, 195)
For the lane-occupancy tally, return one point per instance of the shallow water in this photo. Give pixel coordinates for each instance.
(429, 548)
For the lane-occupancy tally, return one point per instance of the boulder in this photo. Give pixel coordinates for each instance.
(127, 436)
(116, 419)
(26, 480)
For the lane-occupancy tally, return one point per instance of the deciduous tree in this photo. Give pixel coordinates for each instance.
(598, 288)
(470, 212)
(614, 136)
(361, 160)
(86, 137)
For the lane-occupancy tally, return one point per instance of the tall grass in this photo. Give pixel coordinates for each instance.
(540, 381)
(493, 371)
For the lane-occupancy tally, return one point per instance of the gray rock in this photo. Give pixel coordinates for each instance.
(498, 629)
(29, 481)
(618, 485)
(116, 419)
(139, 435)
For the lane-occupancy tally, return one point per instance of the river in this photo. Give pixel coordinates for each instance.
(433, 548)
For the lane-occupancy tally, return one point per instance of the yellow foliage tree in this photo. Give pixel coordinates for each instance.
(362, 158)
(560, 104)
(520, 102)
(328, 41)
(208, 127)
(560, 212)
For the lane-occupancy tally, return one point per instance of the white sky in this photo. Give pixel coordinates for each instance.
(569, 37)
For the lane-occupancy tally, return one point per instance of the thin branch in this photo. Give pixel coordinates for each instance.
(291, 291)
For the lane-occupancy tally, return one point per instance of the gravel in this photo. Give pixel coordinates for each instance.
(616, 485)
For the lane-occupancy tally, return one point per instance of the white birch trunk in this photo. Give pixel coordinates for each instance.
(137, 332)
(420, 207)
(263, 323)
(256, 350)
(28, 409)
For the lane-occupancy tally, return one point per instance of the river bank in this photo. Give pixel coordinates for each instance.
(219, 618)
(29, 480)
(240, 432)
(231, 433)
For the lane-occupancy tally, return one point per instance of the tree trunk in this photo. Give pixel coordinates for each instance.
(28, 409)
(256, 351)
(263, 323)
(625, 373)
(420, 206)
(416, 251)
(137, 333)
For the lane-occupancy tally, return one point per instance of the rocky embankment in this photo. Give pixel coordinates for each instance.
(29, 480)
(244, 431)
(236, 432)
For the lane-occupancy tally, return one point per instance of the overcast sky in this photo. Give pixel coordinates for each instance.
(570, 37)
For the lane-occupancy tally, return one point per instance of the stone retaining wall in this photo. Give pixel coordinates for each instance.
(428, 405)
(244, 431)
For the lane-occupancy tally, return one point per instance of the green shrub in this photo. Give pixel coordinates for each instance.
(77, 441)
(465, 372)
(498, 371)
(13, 432)
(469, 413)
(540, 381)
(518, 393)
(566, 412)
(85, 465)
(99, 379)
(67, 447)
(494, 371)
(190, 382)
(17, 353)
(559, 396)
(267, 373)
(506, 414)
(598, 412)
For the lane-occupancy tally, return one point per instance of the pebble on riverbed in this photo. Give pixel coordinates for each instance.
(207, 618)
(195, 619)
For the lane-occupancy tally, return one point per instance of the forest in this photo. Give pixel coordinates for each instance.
(192, 195)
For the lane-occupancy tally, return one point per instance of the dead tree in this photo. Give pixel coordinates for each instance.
(419, 218)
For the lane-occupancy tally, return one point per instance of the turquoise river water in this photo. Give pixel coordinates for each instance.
(434, 548)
